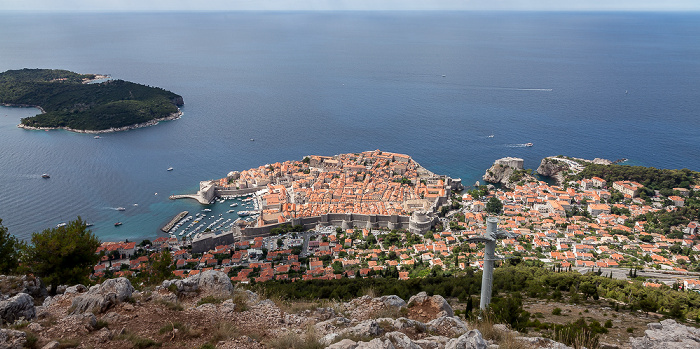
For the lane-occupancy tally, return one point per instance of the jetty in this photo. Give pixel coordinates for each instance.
(174, 221)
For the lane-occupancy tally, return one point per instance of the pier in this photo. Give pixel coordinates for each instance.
(174, 221)
(197, 197)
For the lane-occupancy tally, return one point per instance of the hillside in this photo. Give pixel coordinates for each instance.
(207, 311)
(69, 101)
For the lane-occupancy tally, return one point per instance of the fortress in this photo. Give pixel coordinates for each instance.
(368, 190)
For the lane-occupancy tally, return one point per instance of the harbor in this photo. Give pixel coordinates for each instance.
(221, 214)
(174, 221)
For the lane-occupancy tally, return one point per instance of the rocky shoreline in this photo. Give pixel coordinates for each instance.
(173, 116)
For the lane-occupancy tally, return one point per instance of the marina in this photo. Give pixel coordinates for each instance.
(220, 215)
(174, 221)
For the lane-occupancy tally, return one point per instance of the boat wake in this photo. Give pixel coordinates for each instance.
(523, 145)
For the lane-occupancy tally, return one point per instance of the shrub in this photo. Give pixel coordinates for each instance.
(608, 324)
(556, 311)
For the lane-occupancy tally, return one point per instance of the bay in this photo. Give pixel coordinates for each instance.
(433, 85)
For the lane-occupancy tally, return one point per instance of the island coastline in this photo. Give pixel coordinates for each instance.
(173, 116)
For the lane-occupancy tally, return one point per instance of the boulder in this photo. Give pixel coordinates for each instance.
(19, 306)
(667, 334)
(448, 326)
(52, 345)
(469, 340)
(401, 341)
(392, 301)
(210, 282)
(433, 342)
(80, 322)
(103, 296)
(403, 324)
(376, 343)
(367, 328)
(544, 343)
(75, 289)
(435, 304)
(12, 339)
(11, 286)
(332, 325)
(344, 344)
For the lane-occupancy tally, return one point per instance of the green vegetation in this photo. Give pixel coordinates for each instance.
(649, 177)
(9, 251)
(524, 278)
(62, 255)
(494, 205)
(68, 102)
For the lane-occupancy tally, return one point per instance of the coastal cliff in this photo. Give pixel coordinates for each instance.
(557, 167)
(508, 172)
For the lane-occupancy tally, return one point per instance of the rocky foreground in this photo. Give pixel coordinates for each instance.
(206, 311)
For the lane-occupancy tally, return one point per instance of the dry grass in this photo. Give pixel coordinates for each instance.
(224, 331)
(505, 339)
(183, 331)
(292, 340)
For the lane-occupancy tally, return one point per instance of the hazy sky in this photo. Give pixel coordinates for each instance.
(286, 5)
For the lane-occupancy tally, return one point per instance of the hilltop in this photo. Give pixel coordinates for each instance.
(77, 102)
(207, 311)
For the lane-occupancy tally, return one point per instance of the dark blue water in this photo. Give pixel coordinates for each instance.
(611, 85)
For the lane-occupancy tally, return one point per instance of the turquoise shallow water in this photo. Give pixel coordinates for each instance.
(329, 83)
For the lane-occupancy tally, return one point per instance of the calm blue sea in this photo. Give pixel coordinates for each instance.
(431, 85)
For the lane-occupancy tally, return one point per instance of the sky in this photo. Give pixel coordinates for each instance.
(355, 5)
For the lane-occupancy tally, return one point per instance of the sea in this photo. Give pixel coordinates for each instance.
(264, 87)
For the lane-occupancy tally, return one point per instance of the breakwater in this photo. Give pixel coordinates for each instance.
(174, 221)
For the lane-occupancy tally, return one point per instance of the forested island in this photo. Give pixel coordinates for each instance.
(72, 101)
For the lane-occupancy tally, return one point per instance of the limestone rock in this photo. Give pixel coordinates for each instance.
(19, 306)
(207, 307)
(448, 326)
(401, 340)
(436, 303)
(367, 328)
(434, 342)
(404, 324)
(469, 340)
(210, 282)
(545, 343)
(12, 339)
(670, 335)
(344, 344)
(101, 297)
(393, 301)
(75, 289)
(35, 327)
(52, 345)
(502, 170)
(14, 285)
(376, 343)
(329, 338)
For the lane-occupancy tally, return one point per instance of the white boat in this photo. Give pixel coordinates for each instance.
(96, 137)
(121, 209)
(207, 210)
(490, 136)
(45, 175)
(170, 168)
(528, 144)
(61, 225)
(234, 204)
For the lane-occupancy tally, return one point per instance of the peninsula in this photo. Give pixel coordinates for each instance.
(80, 103)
